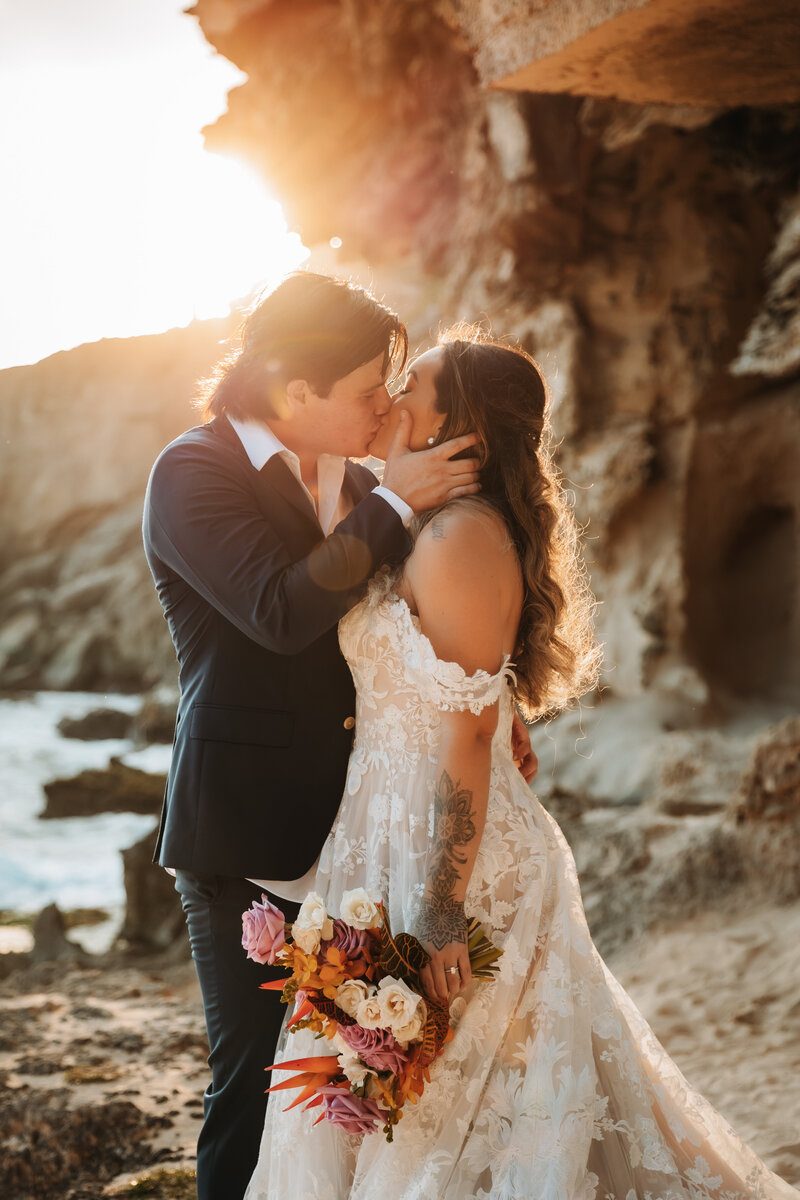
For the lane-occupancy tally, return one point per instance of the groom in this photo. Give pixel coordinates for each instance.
(260, 535)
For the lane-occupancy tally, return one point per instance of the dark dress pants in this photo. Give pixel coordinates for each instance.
(243, 1024)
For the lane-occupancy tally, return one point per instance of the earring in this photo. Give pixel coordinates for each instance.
(431, 440)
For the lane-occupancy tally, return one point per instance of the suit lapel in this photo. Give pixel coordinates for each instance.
(356, 482)
(278, 476)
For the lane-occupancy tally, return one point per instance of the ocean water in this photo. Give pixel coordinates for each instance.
(74, 862)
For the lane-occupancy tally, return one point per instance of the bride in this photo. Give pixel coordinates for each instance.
(553, 1087)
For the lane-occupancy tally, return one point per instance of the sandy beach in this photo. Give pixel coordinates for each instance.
(103, 1065)
(722, 993)
(102, 1069)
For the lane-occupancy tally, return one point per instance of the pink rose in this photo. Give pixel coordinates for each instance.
(263, 932)
(354, 944)
(376, 1047)
(349, 1112)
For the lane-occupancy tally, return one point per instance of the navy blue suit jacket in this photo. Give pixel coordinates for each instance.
(252, 593)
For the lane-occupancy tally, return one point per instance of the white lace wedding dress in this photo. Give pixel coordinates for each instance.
(554, 1087)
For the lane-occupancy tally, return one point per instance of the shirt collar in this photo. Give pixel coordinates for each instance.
(259, 442)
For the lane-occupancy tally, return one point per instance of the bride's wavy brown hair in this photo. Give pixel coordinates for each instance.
(497, 391)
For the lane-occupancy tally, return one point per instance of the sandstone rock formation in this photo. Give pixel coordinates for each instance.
(638, 236)
(644, 247)
(153, 915)
(714, 820)
(79, 432)
(770, 789)
(692, 52)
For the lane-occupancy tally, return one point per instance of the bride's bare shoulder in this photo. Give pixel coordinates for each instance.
(470, 525)
(465, 545)
(464, 580)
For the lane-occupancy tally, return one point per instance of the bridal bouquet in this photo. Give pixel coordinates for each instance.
(356, 983)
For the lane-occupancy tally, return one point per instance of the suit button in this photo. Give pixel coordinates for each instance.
(349, 722)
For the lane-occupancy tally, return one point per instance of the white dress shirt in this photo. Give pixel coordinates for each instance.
(261, 444)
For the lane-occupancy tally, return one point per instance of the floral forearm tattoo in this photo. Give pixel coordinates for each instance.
(442, 917)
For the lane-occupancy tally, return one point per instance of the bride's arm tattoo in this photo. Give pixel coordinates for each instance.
(442, 917)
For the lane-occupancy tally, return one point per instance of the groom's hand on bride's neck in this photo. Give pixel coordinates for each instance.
(427, 478)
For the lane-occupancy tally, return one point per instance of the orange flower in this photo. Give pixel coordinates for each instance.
(314, 1073)
(304, 967)
(333, 972)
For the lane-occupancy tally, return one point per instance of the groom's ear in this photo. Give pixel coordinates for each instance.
(298, 392)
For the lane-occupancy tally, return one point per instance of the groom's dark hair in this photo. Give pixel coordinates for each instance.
(312, 327)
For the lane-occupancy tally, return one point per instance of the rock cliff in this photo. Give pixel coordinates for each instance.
(639, 235)
(646, 51)
(79, 432)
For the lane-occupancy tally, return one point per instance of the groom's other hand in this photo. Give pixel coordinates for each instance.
(427, 478)
(521, 749)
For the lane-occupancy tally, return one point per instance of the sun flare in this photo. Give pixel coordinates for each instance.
(228, 236)
(114, 219)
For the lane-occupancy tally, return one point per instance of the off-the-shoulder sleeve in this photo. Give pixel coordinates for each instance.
(446, 684)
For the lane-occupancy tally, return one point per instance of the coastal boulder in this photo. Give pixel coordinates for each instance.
(97, 725)
(153, 913)
(50, 941)
(117, 788)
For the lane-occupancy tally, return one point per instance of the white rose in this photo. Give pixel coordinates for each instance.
(402, 1009)
(369, 1013)
(350, 994)
(314, 915)
(353, 1068)
(359, 909)
(412, 1032)
(304, 937)
(313, 924)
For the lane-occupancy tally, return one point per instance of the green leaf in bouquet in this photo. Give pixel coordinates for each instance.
(485, 972)
(483, 955)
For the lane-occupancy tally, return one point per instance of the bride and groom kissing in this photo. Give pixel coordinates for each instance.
(350, 658)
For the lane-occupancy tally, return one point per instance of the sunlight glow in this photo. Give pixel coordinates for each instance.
(226, 236)
(114, 220)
